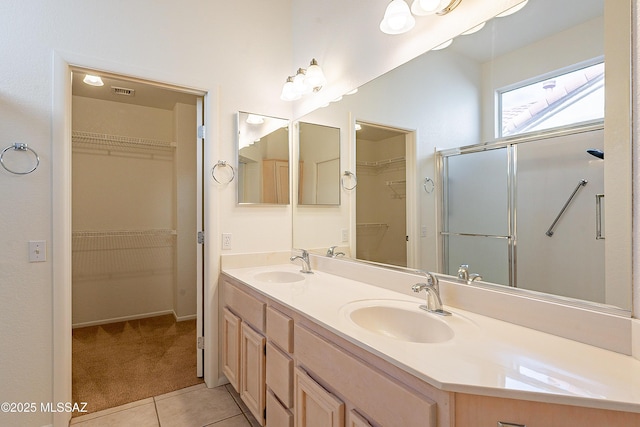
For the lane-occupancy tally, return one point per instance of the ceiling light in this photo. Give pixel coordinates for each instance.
(397, 18)
(474, 29)
(513, 9)
(93, 80)
(443, 45)
(351, 92)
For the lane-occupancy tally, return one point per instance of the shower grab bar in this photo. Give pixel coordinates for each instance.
(599, 198)
(581, 183)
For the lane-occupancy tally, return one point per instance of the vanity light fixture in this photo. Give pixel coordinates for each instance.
(443, 45)
(512, 10)
(93, 80)
(430, 7)
(474, 29)
(304, 82)
(254, 119)
(397, 18)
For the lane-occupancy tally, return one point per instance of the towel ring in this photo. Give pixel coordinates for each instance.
(428, 185)
(223, 163)
(348, 174)
(18, 146)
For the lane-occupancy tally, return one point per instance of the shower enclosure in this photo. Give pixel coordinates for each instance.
(527, 212)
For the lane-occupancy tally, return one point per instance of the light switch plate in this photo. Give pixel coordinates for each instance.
(37, 250)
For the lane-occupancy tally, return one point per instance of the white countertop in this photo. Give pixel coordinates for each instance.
(485, 357)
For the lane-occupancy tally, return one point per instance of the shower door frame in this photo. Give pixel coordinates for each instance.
(511, 145)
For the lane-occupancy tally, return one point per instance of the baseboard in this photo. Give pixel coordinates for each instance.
(122, 319)
(183, 318)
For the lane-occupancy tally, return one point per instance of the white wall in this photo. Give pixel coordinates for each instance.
(206, 45)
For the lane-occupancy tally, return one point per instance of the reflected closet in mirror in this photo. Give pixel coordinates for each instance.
(263, 159)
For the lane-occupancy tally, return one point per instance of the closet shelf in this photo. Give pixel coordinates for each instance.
(102, 141)
(399, 188)
(381, 165)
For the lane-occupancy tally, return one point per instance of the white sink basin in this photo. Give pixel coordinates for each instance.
(400, 320)
(279, 277)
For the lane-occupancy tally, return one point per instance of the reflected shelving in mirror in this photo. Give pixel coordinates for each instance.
(448, 97)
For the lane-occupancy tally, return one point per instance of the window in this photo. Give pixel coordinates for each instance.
(555, 101)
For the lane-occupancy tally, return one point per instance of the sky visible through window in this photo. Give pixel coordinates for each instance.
(570, 98)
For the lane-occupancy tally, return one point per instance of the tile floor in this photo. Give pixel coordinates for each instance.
(195, 406)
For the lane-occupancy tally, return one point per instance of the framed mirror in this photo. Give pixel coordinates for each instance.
(319, 164)
(263, 159)
(447, 100)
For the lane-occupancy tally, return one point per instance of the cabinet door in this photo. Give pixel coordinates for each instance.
(315, 406)
(252, 379)
(231, 348)
(354, 419)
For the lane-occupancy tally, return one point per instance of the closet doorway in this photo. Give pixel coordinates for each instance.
(137, 268)
(382, 223)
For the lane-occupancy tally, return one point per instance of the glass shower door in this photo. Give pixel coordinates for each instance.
(476, 214)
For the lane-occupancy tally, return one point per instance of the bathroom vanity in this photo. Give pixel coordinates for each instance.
(324, 350)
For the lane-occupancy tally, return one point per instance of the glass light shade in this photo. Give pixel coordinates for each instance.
(397, 18)
(428, 7)
(513, 9)
(473, 29)
(289, 92)
(254, 119)
(93, 80)
(443, 45)
(299, 83)
(314, 77)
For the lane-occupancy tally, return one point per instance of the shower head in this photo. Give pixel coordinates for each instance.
(596, 153)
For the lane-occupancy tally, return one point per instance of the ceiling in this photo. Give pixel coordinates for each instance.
(146, 94)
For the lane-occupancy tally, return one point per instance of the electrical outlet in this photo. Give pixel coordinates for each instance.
(37, 250)
(345, 235)
(226, 241)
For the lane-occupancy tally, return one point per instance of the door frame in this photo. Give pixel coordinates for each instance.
(63, 65)
(411, 201)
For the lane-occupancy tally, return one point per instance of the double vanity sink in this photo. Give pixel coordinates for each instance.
(389, 318)
(462, 353)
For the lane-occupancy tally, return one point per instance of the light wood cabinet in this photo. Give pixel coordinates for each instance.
(252, 368)
(315, 406)
(354, 419)
(486, 411)
(231, 347)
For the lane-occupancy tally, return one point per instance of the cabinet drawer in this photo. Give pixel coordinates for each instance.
(381, 398)
(280, 374)
(277, 415)
(250, 309)
(280, 329)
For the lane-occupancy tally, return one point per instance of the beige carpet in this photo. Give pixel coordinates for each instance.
(123, 362)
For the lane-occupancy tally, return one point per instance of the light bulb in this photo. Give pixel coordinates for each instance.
(314, 77)
(397, 18)
(428, 7)
(288, 91)
(93, 80)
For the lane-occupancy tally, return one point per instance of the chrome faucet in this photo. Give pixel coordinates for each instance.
(432, 287)
(331, 252)
(463, 274)
(306, 265)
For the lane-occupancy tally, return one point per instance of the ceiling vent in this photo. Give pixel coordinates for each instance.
(122, 91)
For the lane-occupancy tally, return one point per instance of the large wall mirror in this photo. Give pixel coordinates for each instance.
(263, 159)
(319, 164)
(445, 103)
